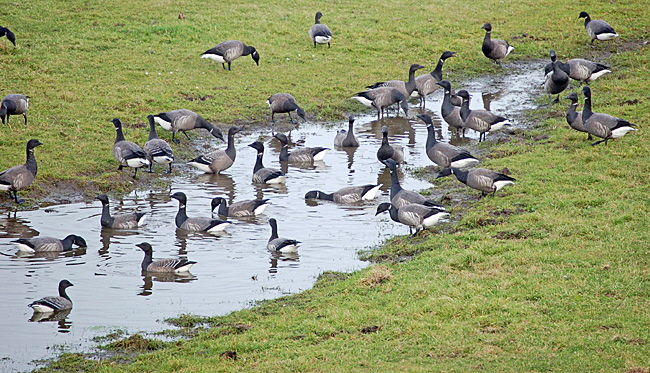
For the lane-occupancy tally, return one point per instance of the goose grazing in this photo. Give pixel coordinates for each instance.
(251, 207)
(573, 117)
(597, 28)
(556, 80)
(207, 225)
(167, 265)
(262, 174)
(10, 35)
(443, 154)
(128, 153)
(218, 160)
(54, 304)
(48, 244)
(230, 50)
(127, 220)
(284, 103)
(400, 197)
(450, 112)
(183, 120)
(351, 194)
(280, 244)
(427, 84)
(605, 126)
(320, 33)
(584, 71)
(415, 216)
(405, 88)
(484, 180)
(157, 149)
(389, 151)
(495, 49)
(381, 98)
(14, 104)
(346, 139)
(301, 155)
(481, 121)
(20, 177)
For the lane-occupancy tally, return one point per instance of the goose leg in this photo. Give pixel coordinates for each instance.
(120, 168)
(186, 135)
(18, 200)
(291, 119)
(170, 169)
(223, 65)
(25, 115)
(174, 139)
(135, 173)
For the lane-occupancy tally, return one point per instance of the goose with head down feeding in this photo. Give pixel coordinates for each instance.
(9, 34)
(21, 176)
(285, 103)
(251, 207)
(381, 98)
(350, 194)
(484, 180)
(196, 224)
(229, 50)
(414, 215)
(166, 265)
(53, 304)
(48, 244)
(183, 120)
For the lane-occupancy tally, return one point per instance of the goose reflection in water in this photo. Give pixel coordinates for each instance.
(277, 258)
(59, 317)
(148, 279)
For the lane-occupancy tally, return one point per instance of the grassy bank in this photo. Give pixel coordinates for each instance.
(549, 274)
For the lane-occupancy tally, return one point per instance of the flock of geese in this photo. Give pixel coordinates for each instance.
(406, 207)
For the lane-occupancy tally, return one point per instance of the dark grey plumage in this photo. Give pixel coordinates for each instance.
(261, 174)
(21, 176)
(352, 194)
(127, 220)
(127, 153)
(300, 155)
(443, 154)
(450, 112)
(381, 98)
(556, 80)
(320, 33)
(157, 149)
(597, 28)
(574, 117)
(494, 49)
(389, 151)
(9, 34)
(427, 84)
(482, 121)
(414, 215)
(48, 244)
(400, 197)
(251, 207)
(284, 103)
(280, 244)
(218, 160)
(14, 104)
(54, 304)
(405, 87)
(346, 139)
(200, 224)
(230, 50)
(484, 180)
(167, 265)
(183, 120)
(601, 125)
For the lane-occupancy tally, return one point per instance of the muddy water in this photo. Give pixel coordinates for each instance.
(234, 270)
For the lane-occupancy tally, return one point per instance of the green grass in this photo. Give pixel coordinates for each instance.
(551, 274)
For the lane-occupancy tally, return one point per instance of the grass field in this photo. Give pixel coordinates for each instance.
(551, 274)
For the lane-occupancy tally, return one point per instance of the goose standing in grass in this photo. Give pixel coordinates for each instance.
(450, 112)
(556, 80)
(128, 153)
(252, 207)
(405, 88)
(301, 155)
(21, 176)
(601, 125)
(207, 225)
(230, 50)
(351, 194)
(381, 98)
(389, 151)
(427, 84)
(574, 117)
(414, 215)
(400, 197)
(280, 244)
(127, 220)
(48, 244)
(597, 28)
(157, 149)
(583, 71)
(443, 154)
(10, 35)
(14, 104)
(218, 160)
(167, 265)
(494, 49)
(54, 304)
(284, 103)
(481, 121)
(346, 139)
(484, 180)
(183, 120)
(320, 33)
(263, 174)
